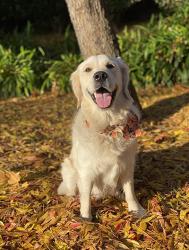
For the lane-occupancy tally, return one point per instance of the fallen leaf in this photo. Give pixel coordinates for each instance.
(161, 138)
(8, 177)
(183, 215)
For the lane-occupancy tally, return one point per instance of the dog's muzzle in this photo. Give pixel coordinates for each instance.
(103, 97)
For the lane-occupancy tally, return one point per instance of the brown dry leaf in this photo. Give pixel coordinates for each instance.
(161, 137)
(2, 243)
(143, 224)
(184, 215)
(9, 178)
(30, 158)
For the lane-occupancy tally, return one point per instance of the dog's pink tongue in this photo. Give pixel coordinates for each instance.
(103, 100)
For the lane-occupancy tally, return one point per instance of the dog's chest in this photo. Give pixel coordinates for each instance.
(108, 177)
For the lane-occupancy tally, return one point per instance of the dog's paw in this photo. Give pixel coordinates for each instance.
(86, 215)
(61, 189)
(64, 190)
(87, 219)
(139, 212)
(120, 195)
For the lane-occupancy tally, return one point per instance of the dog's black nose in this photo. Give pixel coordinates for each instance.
(100, 76)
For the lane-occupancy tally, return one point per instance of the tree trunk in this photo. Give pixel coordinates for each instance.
(94, 32)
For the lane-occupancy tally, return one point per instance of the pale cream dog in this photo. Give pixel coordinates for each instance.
(104, 146)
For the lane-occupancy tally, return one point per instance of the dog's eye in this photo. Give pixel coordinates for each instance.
(110, 66)
(87, 69)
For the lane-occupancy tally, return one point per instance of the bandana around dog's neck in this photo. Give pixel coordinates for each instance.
(125, 130)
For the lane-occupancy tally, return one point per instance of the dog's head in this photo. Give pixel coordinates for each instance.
(100, 80)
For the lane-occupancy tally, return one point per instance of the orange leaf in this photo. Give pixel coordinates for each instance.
(9, 178)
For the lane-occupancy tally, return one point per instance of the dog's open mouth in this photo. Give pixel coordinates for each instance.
(103, 98)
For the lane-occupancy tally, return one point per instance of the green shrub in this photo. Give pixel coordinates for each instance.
(159, 52)
(16, 73)
(59, 72)
(168, 4)
(16, 39)
(156, 53)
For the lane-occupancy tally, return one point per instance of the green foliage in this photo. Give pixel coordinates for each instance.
(17, 39)
(52, 44)
(59, 72)
(21, 73)
(159, 52)
(70, 42)
(156, 53)
(16, 73)
(40, 65)
(168, 4)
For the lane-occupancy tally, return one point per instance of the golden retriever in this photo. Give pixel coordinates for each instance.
(104, 145)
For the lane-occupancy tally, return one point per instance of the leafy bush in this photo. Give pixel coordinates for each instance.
(16, 73)
(59, 72)
(159, 52)
(17, 39)
(156, 53)
(21, 73)
(169, 4)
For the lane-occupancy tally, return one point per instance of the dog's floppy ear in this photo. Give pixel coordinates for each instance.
(76, 87)
(125, 78)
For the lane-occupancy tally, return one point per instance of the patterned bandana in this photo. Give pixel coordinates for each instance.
(127, 130)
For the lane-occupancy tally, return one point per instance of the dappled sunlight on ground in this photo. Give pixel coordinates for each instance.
(34, 139)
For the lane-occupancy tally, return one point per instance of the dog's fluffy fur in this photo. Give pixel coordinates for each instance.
(98, 164)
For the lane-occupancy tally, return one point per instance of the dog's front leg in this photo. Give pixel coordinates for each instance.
(128, 187)
(133, 204)
(85, 187)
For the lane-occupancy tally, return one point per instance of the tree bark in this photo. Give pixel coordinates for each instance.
(92, 28)
(93, 31)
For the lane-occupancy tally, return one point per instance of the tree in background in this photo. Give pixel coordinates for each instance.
(94, 32)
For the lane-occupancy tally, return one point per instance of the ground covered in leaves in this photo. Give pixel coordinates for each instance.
(34, 139)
